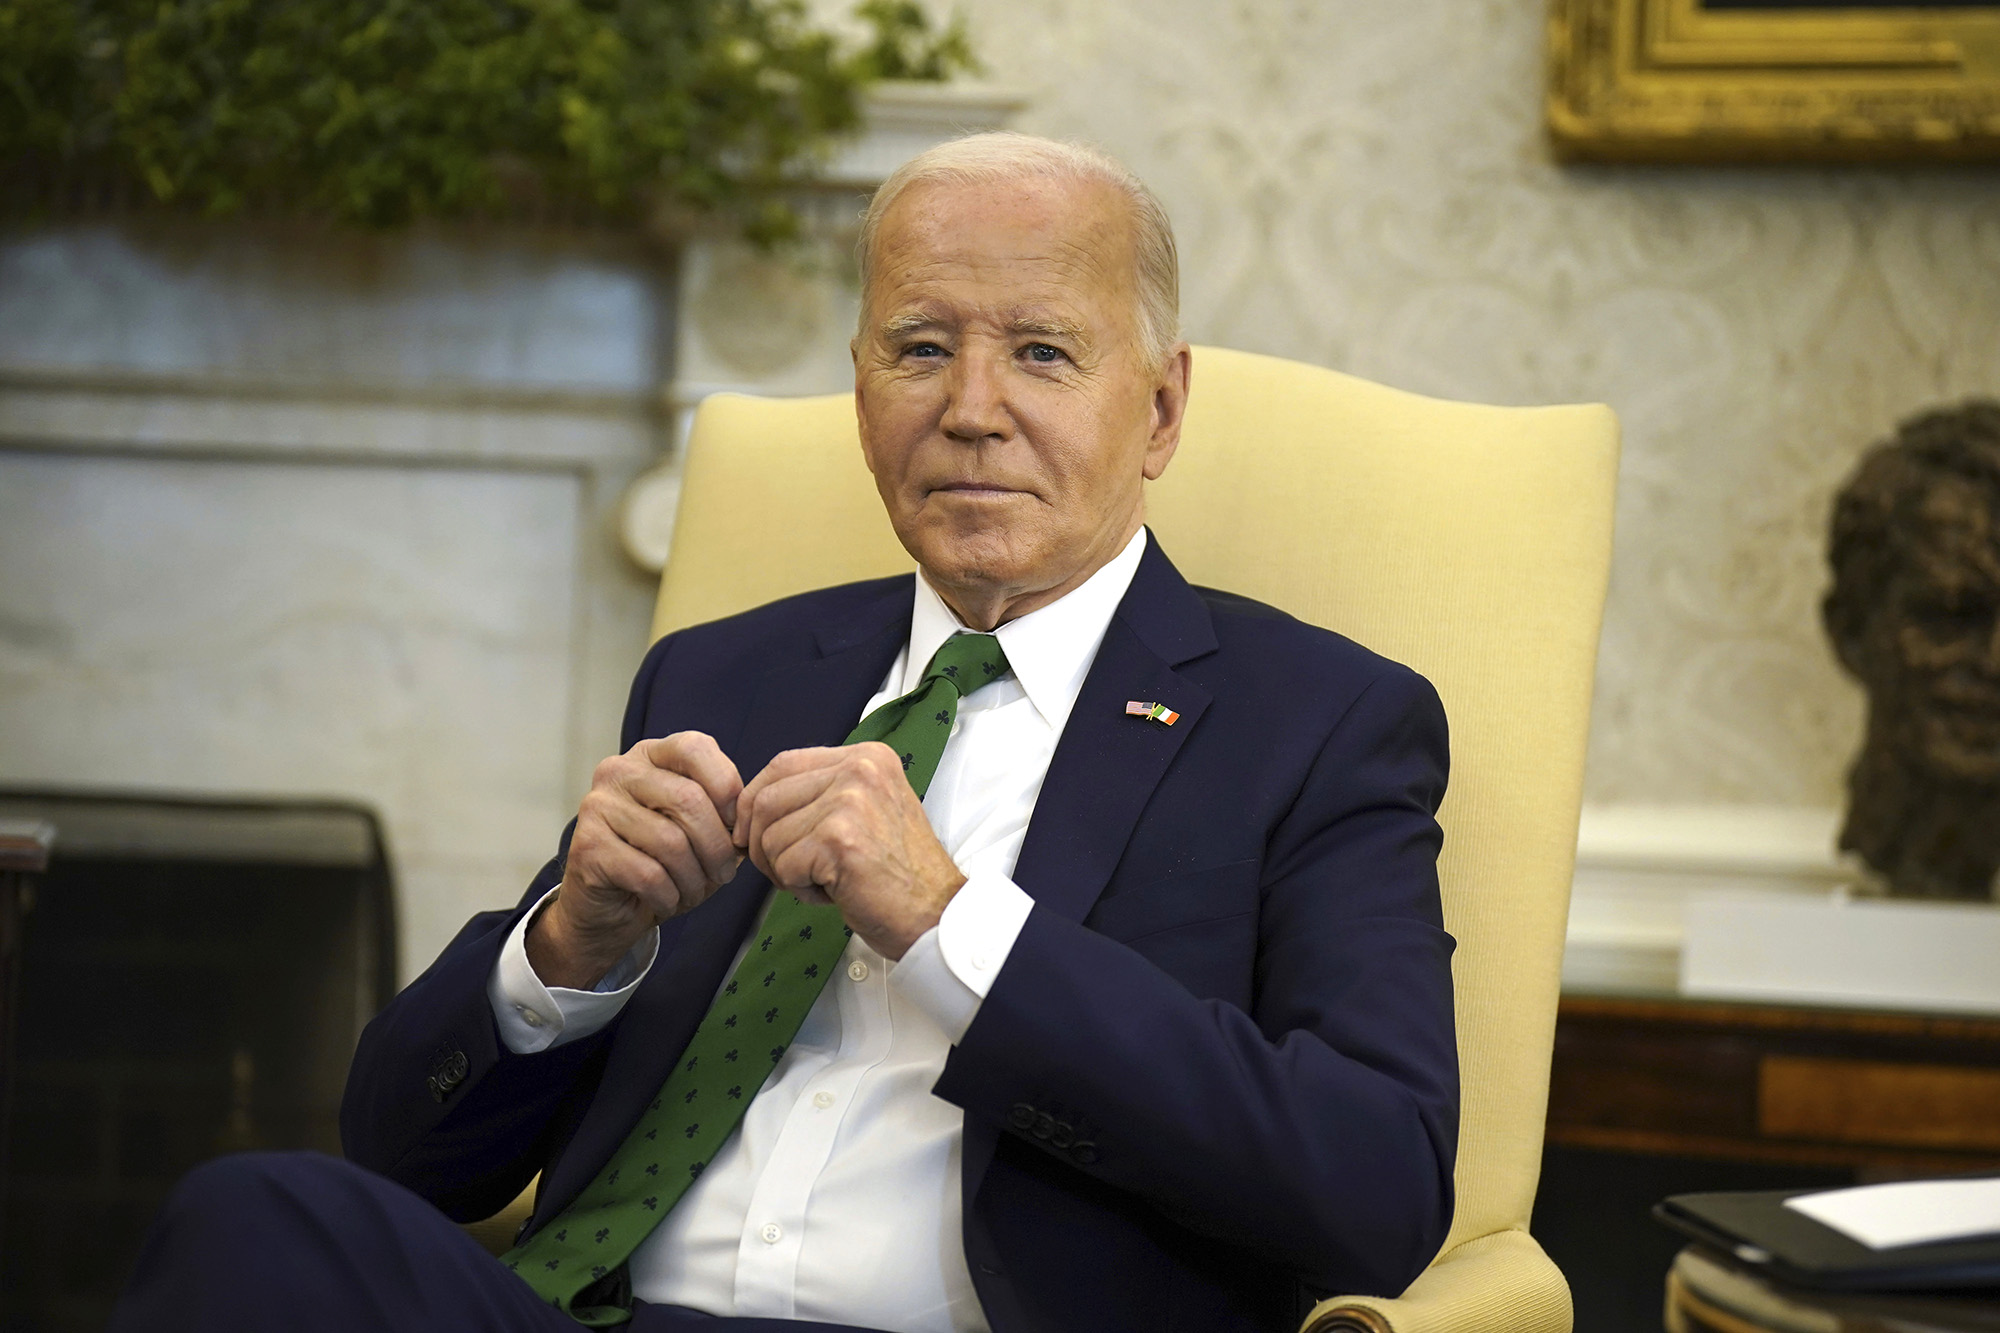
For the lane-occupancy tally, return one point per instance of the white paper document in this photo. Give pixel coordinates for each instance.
(1915, 1212)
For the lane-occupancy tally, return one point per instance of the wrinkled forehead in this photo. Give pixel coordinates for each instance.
(1025, 243)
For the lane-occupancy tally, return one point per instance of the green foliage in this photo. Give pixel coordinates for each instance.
(382, 111)
(905, 47)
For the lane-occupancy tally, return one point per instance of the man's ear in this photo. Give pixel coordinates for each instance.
(1170, 399)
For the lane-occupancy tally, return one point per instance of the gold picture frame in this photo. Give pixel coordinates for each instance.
(1689, 81)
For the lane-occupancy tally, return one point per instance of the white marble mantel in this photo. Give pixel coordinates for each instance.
(1639, 866)
(285, 510)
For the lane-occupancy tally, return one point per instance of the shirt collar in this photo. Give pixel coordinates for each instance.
(1049, 650)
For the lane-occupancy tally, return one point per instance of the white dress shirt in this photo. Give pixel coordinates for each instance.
(838, 1197)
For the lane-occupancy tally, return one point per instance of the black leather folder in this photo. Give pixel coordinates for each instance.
(1763, 1235)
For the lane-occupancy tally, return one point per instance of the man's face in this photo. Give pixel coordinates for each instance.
(1944, 615)
(1006, 407)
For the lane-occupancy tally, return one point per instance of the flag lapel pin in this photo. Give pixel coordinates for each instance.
(1160, 713)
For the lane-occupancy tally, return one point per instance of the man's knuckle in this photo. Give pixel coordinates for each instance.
(782, 865)
(841, 833)
(669, 795)
(666, 899)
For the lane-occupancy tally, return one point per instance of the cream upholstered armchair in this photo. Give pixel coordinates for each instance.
(1470, 542)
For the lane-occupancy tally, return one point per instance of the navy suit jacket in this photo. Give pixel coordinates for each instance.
(1216, 1078)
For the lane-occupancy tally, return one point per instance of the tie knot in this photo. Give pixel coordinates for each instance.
(917, 725)
(968, 661)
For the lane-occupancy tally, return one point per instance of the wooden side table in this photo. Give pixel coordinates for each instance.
(1710, 1293)
(1888, 1095)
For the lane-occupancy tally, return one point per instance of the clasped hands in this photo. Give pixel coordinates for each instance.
(668, 822)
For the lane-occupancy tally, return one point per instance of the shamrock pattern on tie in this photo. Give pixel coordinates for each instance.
(744, 1034)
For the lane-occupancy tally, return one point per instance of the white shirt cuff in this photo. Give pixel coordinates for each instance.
(536, 1017)
(950, 968)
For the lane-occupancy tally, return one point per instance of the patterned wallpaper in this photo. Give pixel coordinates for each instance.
(1362, 184)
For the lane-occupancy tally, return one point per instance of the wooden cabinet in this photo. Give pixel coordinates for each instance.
(1886, 1094)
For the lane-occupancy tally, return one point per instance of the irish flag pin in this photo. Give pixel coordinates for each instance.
(1158, 712)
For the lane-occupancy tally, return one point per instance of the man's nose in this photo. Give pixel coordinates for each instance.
(975, 400)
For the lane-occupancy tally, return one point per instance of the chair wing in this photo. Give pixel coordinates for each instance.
(775, 500)
(1472, 543)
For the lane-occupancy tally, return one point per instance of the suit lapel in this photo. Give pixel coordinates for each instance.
(1108, 763)
(811, 702)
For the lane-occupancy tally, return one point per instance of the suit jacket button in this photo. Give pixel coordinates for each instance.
(437, 1088)
(1045, 1125)
(1085, 1152)
(1062, 1135)
(1022, 1116)
(452, 1069)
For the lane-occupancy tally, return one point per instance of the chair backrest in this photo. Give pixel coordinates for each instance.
(1472, 543)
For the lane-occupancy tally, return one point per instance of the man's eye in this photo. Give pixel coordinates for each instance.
(923, 349)
(1044, 354)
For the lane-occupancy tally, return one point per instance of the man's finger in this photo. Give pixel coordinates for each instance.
(797, 851)
(639, 876)
(785, 764)
(687, 804)
(766, 804)
(695, 754)
(666, 843)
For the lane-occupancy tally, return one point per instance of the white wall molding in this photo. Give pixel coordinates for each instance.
(476, 426)
(902, 119)
(1637, 866)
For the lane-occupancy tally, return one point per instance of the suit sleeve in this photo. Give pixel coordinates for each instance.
(434, 1099)
(1317, 1129)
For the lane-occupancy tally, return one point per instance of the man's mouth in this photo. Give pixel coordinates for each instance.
(974, 489)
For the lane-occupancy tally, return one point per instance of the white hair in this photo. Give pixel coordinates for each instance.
(1003, 155)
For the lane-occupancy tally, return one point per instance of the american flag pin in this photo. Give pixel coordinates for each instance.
(1158, 712)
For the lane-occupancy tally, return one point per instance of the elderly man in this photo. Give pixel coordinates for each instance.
(1086, 971)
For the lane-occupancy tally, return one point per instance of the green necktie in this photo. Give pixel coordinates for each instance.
(740, 1039)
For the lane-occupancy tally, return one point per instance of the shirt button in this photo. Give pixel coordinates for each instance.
(530, 1017)
(822, 1100)
(981, 962)
(857, 970)
(772, 1233)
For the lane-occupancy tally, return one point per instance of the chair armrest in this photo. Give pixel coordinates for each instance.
(1497, 1283)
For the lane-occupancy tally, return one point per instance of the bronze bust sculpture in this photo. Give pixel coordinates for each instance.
(1915, 616)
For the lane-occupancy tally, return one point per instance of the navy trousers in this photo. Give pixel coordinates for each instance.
(300, 1242)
